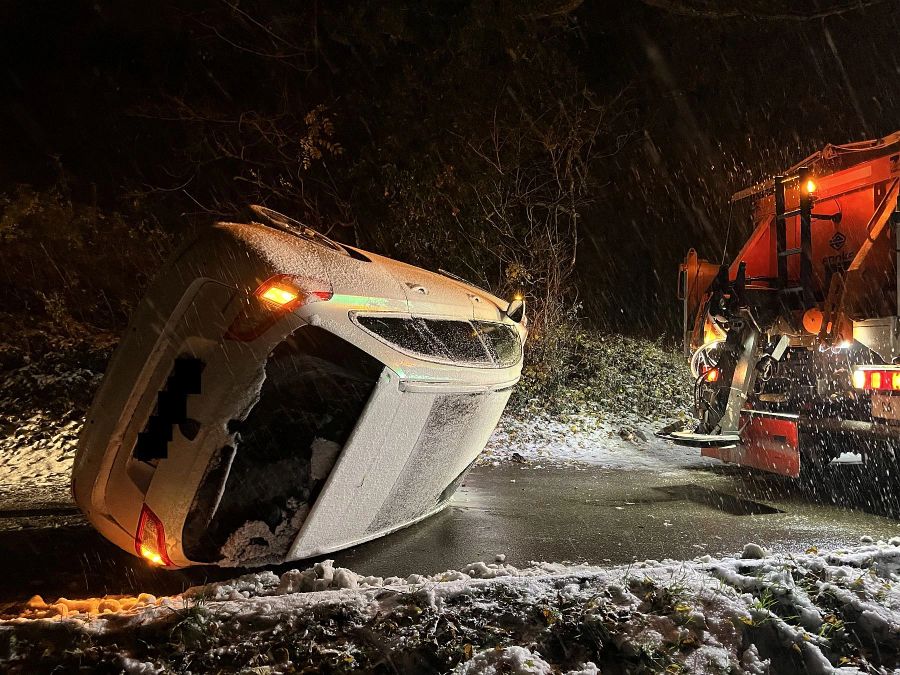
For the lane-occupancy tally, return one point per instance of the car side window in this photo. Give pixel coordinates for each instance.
(459, 338)
(502, 341)
(401, 332)
(480, 343)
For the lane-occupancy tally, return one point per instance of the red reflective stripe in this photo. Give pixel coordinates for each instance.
(882, 380)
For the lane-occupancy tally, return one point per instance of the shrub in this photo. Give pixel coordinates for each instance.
(571, 369)
(80, 266)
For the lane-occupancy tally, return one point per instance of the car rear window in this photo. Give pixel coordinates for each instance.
(478, 343)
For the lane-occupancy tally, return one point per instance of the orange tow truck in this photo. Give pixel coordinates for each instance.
(795, 345)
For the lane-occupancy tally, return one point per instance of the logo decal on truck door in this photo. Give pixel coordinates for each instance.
(837, 241)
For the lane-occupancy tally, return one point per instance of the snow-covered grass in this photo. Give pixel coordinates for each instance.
(618, 392)
(817, 612)
(626, 441)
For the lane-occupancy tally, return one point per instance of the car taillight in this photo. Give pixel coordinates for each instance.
(280, 295)
(877, 379)
(150, 539)
(274, 298)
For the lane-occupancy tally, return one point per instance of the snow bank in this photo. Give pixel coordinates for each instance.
(513, 660)
(110, 604)
(39, 452)
(818, 612)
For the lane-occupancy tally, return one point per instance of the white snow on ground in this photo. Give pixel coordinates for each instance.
(42, 403)
(626, 442)
(36, 461)
(39, 451)
(818, 612)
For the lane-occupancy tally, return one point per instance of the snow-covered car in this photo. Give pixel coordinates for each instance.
(278, 396)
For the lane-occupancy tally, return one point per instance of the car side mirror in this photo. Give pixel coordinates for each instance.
(516, 310)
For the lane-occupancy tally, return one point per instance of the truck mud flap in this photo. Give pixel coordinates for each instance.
(769, 441)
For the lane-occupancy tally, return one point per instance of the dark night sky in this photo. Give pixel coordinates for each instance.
(710, 105)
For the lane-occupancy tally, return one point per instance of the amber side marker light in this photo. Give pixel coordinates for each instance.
(150, 539)
(873, 379)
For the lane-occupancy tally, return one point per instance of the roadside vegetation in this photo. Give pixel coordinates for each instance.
(71, 268)
(577, 370)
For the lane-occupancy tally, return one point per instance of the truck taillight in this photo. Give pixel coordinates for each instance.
(150, 538)
(877, 379)
(274, 298)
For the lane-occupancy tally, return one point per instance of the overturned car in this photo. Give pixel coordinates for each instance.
(278, 395)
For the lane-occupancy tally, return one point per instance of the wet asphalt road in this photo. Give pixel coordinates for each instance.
(569, 513)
